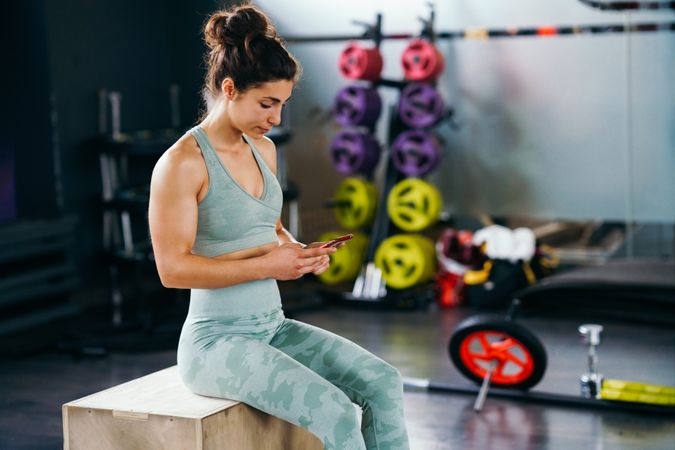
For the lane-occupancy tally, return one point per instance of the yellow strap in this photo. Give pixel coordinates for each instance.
(478, 276)
(529, 273)
(550, 258)
(634, 386)
(636, 397)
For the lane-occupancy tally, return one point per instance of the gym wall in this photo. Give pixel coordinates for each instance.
(543, 122)
(576, 127)
(65, 52)
(26, 131)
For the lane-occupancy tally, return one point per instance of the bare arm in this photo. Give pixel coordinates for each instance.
(175, 184)
(284, 235)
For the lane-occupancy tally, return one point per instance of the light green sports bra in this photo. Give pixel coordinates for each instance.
(230, 218)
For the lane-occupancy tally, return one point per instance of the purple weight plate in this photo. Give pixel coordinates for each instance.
(354, 151)
(416, 153)
(421, 105)
(357, 105)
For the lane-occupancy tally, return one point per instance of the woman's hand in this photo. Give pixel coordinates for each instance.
(326, 261)
(290, 261)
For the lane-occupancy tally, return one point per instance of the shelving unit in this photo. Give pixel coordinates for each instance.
(37, 277)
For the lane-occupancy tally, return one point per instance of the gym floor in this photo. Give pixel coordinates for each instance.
(32, 389)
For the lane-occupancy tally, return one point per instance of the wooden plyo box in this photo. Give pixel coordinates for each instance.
(158, 412)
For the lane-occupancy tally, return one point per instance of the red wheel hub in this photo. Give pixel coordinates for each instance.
(514, 363)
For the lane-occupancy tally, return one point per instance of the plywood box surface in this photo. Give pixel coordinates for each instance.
(158, 412)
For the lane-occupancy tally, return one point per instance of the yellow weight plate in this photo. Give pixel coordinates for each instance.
(405, 260)
(414, 204)
(345, 264)
(356, 199)
(427, 246)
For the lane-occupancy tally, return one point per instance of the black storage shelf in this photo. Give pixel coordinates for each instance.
(30, 238)
(36, 273)
(33, 278)
(40, 288)
(37, 318)
(31, 249)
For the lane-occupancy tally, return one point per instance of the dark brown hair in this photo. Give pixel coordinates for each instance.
(244, 45)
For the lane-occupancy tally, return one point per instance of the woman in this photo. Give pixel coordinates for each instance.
(214, 220)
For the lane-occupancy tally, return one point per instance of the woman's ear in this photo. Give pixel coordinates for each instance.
(227, 88)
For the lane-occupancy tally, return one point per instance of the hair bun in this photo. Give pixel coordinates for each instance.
(236, 27)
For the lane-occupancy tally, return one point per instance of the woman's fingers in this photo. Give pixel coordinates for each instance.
(318, 251)
(318, 263)
(317, 260)
(322, 267)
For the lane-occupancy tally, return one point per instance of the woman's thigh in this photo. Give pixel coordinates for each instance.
(353, 369)
(253, 372)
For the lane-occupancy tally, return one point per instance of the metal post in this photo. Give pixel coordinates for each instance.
(591, 382)
(482, 394)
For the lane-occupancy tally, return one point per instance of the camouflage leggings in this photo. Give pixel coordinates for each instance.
(297, 372)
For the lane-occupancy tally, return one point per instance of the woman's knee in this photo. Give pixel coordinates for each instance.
(393, 374)
(387, 389)
(340, 426)
(383, 373)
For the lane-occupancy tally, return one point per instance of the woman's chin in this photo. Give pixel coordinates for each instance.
(260, 131)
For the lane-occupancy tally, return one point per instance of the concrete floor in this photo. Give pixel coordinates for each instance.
(32, 389)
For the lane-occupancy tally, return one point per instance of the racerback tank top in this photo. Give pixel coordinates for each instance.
(231, 219)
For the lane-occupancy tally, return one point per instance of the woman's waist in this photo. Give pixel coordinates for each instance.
(258, 297)
(239, 320)
(206, 331)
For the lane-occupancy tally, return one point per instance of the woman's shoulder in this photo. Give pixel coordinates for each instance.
(184, 157)
(184, 151)
(267, 150)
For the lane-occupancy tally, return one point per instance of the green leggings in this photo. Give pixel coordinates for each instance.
(299, 373)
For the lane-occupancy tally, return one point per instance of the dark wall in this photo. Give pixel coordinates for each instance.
(65, 52)
(187, 50)
(25, 124)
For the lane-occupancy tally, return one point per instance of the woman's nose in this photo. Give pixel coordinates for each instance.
(275, 117)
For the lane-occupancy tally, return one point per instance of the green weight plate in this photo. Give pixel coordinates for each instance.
(356, 200)
(414, 204)
(404, 261)
(345, 264)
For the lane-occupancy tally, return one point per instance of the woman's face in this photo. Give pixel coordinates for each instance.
(258, 109)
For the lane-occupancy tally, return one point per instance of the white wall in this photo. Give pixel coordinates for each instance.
(546, 123)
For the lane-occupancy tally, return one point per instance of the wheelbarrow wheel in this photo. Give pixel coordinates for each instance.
(518, 356)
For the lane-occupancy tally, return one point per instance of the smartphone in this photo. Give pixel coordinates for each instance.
(337, 240)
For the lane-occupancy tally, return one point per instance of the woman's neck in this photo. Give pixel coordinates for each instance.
(217, 124)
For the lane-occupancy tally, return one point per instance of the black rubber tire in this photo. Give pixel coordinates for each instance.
(518, 332)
